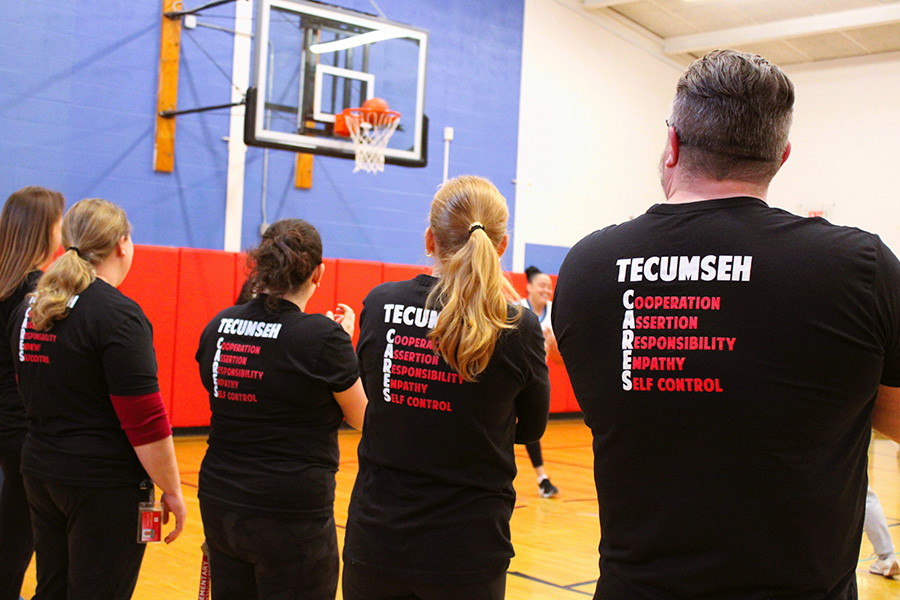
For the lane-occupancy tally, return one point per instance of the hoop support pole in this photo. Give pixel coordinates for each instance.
(237, 150)
(448, 137)
(170, 114)
(175, 14)
(167, 90)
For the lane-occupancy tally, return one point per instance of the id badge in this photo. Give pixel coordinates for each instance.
(149, 523)
(149, 516)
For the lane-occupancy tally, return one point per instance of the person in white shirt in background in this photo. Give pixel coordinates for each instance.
(538, 301)
(876, 529)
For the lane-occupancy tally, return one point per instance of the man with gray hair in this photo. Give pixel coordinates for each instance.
(730, 359)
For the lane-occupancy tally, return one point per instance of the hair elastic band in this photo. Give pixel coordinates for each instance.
(77, 251)
(474, 226)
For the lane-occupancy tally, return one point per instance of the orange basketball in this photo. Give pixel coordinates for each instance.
(377, 104)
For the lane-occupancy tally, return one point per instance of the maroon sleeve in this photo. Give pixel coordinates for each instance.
(143, 417)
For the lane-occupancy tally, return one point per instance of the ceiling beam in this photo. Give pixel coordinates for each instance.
(591, 4)
(778, 30)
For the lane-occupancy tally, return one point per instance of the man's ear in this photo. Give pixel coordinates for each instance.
(786, 153)
(673, 147)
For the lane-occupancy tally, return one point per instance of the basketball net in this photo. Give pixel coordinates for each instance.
(370, 131)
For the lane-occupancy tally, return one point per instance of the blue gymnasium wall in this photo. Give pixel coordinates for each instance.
(546, 258)
(78, 98)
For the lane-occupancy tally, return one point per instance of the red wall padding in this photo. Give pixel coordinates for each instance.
(322, 299)
(519, 281)
(153, 284)
(241, 272)
(181, 290)
(355, 278)
(559, 383)
(206, 286)
(403, 272)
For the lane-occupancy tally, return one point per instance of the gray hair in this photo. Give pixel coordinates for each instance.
(732, 113)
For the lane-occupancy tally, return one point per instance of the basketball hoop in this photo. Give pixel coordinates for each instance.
(370, 127)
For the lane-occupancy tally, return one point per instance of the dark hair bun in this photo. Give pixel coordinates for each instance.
(285, 259)
(531, 271)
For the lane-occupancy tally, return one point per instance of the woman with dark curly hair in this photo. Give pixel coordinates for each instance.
(280, 383)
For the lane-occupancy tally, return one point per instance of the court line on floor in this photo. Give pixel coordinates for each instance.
(568, 588)
(587, 445)
(566, 464)
(187, 483)
(548, 501)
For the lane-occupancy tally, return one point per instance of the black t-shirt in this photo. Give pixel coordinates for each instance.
(66, 376)
(434, 493)
(726, 356)
(12, 412)
(271, 378)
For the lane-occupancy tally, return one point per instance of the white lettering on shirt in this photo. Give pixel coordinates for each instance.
(711, 267)
(246, 328)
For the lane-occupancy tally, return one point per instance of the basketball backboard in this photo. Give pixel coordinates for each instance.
(313, 60)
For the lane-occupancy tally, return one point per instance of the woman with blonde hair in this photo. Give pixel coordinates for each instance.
(29, 237)
(97, 427)
(455, 375)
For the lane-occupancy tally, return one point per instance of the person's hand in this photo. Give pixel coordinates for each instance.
(174, 504)
(344, 316)
(551, 348)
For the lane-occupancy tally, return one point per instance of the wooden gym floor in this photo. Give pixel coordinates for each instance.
(555, 539)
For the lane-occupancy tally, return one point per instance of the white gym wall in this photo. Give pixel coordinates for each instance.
(846, 144)
(592, 128)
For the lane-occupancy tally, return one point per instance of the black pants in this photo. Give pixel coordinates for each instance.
(358, 585)
(263, 557)
(16, 544)
(85, 540)
(534, 453)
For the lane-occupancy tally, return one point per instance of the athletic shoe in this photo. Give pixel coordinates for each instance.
(548, 490)
(886, 566)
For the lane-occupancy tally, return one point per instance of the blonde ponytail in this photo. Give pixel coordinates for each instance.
(90, 231)
(468, 219)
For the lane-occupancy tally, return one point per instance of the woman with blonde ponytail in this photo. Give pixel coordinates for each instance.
(29, 237)
(98, 434)
(455, 375)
